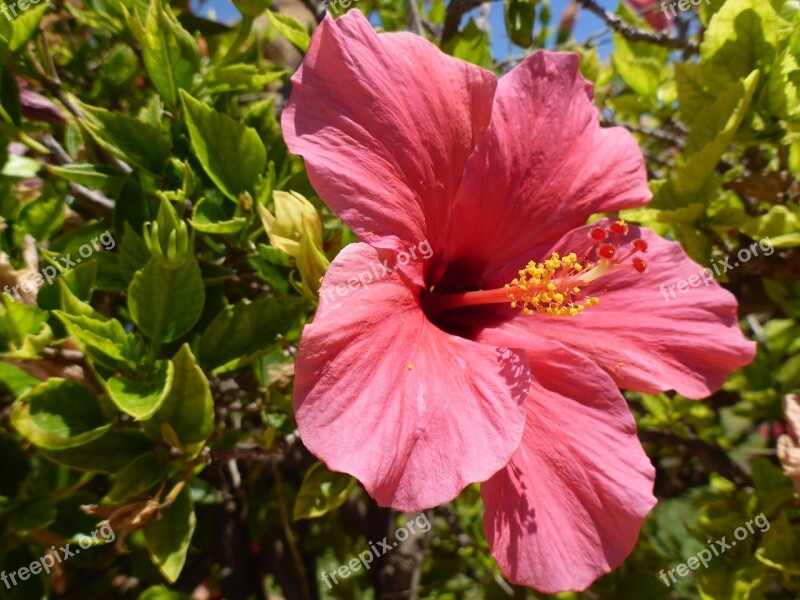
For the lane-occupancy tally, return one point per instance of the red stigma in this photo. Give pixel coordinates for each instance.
(607, 251)
(639, 265)
(597, 234)
(619, 227)
(640, 245)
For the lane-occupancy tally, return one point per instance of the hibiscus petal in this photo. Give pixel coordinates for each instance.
(381, 393)
(644, 337)
(568, 507)
(385, 124)
(543, 167)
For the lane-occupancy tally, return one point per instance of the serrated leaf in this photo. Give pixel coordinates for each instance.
(741, 37)
(131, 139)
(712, 132)
(291, 29)
(93, 176)
(231, 153)
(25, 25)
(170, 53)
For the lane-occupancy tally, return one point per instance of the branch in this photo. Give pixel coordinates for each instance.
(634, 33)
(713, 458)
(455, 10)
(414, 22)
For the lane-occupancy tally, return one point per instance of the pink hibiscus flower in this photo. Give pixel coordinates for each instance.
(424, 372)
(658, 16)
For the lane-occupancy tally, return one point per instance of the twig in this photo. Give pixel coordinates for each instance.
(634, 33)
(92, 200)
(414, 22)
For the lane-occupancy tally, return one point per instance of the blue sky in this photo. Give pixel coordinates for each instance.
(586, 25)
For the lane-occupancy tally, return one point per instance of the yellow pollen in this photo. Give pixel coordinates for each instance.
(550, 288)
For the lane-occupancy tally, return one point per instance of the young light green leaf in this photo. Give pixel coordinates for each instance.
(712, 132)
(25, 25)
(291, 29)
(141, 398)
(170, 53)
(741, 37)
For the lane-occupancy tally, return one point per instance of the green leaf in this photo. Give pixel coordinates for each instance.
(781, 224)
(231, 153)
(59, 414)
(131, 139)
(170, 53)
(210, 217)
(782, 551)
(141, 398)
(641, 65)
(136, 478)
(15, 379)
(322, 491)
(168, 538)
(23, 330)
(93, 176)
(520, 18)
(107, 454)
(40, 218)
(291, 29)
(246, 329)
(25, 25)
(741, 37)
(34, 514)
(241, 78)
(166, 303)
(711, 134)
(251, 8)
(471, 45)
(189, 407)
(105, 342)
(782, 92)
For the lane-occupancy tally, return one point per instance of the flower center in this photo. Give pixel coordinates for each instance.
(554, 286)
